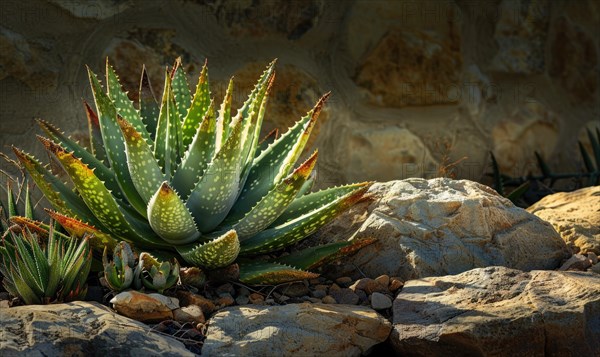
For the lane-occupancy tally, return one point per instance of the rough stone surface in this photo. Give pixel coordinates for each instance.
(521, 33)
(530, 128)
(499, 311)
(442, 226)
(79, 329)
(296, 329)
(441, 70)
(575, 216)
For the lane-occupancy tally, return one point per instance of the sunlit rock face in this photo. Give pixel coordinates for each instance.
(419, 88)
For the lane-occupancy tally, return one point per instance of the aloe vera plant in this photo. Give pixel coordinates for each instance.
(187, 176)
(54, 270)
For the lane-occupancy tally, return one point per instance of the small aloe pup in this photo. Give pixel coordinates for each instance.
(188, 177)
(123, 273)
(43, 271)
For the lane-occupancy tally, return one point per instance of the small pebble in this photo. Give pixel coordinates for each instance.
(329, 300)
(270, 301)
(344, 281)
(243, 291)
(395, 284)
(383, 280)
(226, 288)
(345, 296)
(242, 300)
(319, 294)
(256, 299)
(225, 300)
(4, 304)
(314, 300)
(334, 287)
(186, 298)
(592, 257)
(321, 287)
(362, 296)
(191, 314)
(360, 284)
(295, 290)
(380, 301)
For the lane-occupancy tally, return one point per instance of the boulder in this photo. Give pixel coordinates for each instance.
(499, 311)
(79, 329)
(575, 216)
(295, 330)
(438, 227)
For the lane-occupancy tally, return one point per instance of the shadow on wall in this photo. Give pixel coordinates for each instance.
(419, 88)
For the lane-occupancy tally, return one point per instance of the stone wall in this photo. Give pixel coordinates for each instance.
(417, 85)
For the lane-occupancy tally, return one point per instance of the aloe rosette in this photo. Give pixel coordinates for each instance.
(44, 269)
(183, 176)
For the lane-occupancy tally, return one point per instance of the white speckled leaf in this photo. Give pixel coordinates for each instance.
(169, 217)
(213, 196)
(143, 168)
(217, 253)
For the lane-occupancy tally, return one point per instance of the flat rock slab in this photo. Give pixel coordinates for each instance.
(79, 329)
(575, 216)
(295, 330)
(497, 311)
(441, 226)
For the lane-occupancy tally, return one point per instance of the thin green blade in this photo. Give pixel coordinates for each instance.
(168, 132)
(316, 200)
(198, 156)
(114, 144)
(198, 108)
(275, 163)
(295, 230)
(95, 134)
(314, 257)
(181, 89)
(100, 170)
(123, 104)
(147, 102)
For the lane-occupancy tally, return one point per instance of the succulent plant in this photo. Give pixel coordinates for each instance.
(186, 178)
(123, 272)
(120, 272)
(18, 198)
(157, 275)
(42, 271)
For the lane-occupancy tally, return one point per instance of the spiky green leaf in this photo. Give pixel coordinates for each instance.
(170, 218)
(268, 273)
(216, 253)
(114, 143)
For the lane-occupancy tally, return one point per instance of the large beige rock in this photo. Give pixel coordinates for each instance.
(295, 330)
(439, 227)
(497, 311)
(79, 329)
(575, 215)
